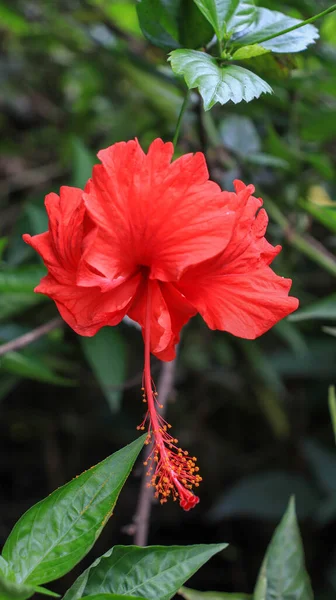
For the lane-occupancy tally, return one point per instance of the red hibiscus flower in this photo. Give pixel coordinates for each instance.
(159, 242)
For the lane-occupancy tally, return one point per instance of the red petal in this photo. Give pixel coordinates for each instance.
(237, 291)
(244, 304)
(86, 310)
(170, 312)
(155, 213)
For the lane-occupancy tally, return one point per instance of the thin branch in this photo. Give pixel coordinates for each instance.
(143, 510)
(30, 337)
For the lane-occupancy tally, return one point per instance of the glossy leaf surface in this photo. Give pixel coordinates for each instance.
(154, 572)
(56, 533)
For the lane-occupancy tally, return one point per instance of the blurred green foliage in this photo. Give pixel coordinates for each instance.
(77, 76)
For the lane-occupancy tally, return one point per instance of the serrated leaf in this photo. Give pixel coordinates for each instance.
(251, 51)
(227, 15)
(217, 83)
(106, 354)
(154, 572)
(283, 573)
(13, 591)
(55, 534)
(173, 24)
(189, 594)
(324, 309)
(270, 22)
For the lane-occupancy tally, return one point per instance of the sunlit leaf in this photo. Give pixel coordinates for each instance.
(269, 22)
(246, 52)
(217, 83)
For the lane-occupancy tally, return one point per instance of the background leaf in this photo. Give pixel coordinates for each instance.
(216, 83)
(112, 597)
(56, 533)
(265, 495)
(172, 24)
(227, 15)
(154, 572)
(106, 354)
(189, 594)
(283, 573)
(269, 22)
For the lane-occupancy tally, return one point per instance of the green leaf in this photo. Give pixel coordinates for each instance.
(324, 214)
(189, 594)
(283, 574)
(239, 134)
(12, 21)
(112, 597)
(16, 289)
(332, 407)
(251, 51)
(13, 304)
(154, 572)
(226, 16)
(3, 244)
(172, 24)
(265, 495)
(83, 161)
(22, 279)
(55, 534)
(106, 354)
(13, 591)
(32, 368)
(269, 22)
(322, 309)
(217, 83)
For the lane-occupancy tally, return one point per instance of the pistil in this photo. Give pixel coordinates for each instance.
(172, 472)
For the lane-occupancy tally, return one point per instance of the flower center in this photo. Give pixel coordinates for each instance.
(173, 473)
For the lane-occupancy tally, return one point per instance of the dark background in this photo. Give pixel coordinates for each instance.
(76, 77)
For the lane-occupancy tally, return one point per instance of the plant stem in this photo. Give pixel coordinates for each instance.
(30, 337)
(179, 120)
(298, 25)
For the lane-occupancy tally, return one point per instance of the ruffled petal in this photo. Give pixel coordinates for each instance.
(244, 304)
(155, 213)
(237, 291)
(86, 310)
